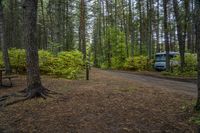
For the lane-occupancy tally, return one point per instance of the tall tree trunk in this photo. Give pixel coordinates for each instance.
(131, 27)
(125, 29)
(100, 42)
(141, 26)
(108, 23)
(44, 39)
(166, 34)
(158, 27)
(35, 87)
(193, 38)
(197, 26)
(3, 45)
(82, 28)
(83, 34)
(181, 34)
(11, 24)
(149, 27)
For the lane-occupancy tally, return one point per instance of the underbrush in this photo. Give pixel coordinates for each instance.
(195, 119)
(180, 74)
(64, 64)
(137, 63)
(190, 68)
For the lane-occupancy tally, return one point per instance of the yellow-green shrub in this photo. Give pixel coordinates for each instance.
(45, 61)
(17, 59)
(65, 64)
(190, 62)
(138, 63)
(1, 59)
(117, 63)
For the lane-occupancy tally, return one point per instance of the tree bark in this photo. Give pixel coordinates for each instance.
(181, 34)
(141, 26)
(158, 27)
(197, 26)
(45, 38)
(3, 44)
(82, 28)
(166, 34)
(125, 29)
(35, 88)
(131, 27)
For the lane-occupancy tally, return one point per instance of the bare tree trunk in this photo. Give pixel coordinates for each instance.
(108, 22)
(125, 29)
(158, 27)
(166, 34)
(35, 87)
(131, 27)
(149, 27)
(44, 39)
(141, 26)
(83, 34)
(82, 28)
(181, 34)
(197, 24)
(3, 45)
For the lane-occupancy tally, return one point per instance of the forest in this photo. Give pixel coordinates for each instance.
(99, 66)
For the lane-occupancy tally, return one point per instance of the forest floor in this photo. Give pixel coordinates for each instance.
(109, 103)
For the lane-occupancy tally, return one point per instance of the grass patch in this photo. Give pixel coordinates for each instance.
(195, 119)
(125, 90)
(180, 74)
(195, 115)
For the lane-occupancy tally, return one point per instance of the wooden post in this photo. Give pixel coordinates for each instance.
(1, 77)
(87, 71)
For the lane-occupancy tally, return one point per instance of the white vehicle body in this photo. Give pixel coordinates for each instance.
(160, 60)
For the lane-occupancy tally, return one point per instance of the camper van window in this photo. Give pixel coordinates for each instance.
(160, 58)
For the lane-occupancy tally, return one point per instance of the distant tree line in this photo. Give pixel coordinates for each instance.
(148, 26)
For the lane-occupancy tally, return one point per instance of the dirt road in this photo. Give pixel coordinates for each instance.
(171, 85)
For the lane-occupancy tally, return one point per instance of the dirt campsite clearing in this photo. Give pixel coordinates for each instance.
(108, 103)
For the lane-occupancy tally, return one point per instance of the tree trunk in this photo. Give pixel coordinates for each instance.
(34, 84)
(125, 29)
(44, 39)
(3, 45)
(131, 27)
(108, 23)
(158, 27)
(82, 28)
(197, 24)
(181, 34)
(149, 27)
(141, 26)
(166, 34)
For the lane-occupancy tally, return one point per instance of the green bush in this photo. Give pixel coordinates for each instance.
(65, 64)
(17, 59)
(117, 62)
(104, 65)
(190, 62)
(1, 60)
(138, 63)
(68, 64)
(45, 61)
